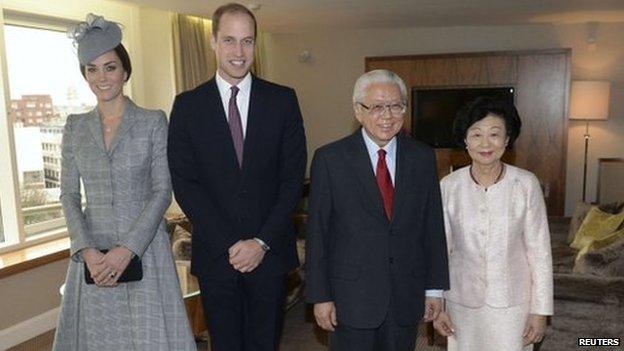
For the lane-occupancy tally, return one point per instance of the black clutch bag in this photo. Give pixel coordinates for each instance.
(133, 273)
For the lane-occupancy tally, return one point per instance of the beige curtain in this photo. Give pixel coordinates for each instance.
(193, 57)
(259, 56)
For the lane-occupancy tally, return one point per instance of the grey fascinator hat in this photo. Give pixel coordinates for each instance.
(93, 37)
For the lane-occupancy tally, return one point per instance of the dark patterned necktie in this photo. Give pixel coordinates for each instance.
(236, 126)
(384, 182)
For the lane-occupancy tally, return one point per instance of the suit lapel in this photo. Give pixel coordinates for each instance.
(358, 156)
(400, 176)
(256, 101)
(95, 128)
(128, 120)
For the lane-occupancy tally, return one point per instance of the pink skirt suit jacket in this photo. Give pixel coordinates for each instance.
(498, 242)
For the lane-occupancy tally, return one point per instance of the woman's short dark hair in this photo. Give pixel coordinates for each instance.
(121, 52)
(478, 109)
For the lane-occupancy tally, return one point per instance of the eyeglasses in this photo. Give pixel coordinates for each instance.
(380, 109)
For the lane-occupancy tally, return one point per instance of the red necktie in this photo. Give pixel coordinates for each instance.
(384, 182)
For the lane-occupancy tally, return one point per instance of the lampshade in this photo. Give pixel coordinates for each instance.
(589, 100)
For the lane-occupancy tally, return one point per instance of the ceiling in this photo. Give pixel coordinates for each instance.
(306, 15)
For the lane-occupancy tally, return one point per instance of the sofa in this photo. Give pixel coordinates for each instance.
(589, 301)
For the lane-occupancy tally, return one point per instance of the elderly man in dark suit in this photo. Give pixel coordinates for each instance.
(237, 156)
(376, 234)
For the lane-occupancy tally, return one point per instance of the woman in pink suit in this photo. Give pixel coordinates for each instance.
(498, 239)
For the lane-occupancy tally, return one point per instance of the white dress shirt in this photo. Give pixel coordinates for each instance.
(390, 149)
(242, 98)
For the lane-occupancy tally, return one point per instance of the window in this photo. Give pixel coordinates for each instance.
(45, 86)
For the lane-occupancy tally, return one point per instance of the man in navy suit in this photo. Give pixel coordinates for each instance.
(237, 155)
(376, 249)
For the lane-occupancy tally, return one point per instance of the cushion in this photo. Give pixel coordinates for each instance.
(612, 207)
(605, 257)
(181, 243)
(607, 239)
(598, 226)
(580, 211)
(177, 219)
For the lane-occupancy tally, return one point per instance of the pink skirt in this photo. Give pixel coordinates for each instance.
(487, 328)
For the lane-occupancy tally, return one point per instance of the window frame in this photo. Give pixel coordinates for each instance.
(12, 214)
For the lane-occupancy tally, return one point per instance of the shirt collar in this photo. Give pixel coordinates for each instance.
(372, 147)
(224, 86)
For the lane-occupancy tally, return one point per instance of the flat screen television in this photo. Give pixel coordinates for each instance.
(434, 110)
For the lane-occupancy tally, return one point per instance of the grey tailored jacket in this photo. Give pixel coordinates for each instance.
(125, 199)
(127, 190)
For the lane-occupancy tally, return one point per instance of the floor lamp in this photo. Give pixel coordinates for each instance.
(589, 101)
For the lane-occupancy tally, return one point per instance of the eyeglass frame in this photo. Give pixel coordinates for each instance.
(386, 108)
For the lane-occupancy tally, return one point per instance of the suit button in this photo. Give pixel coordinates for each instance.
(391, 260)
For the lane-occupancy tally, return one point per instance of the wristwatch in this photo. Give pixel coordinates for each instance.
(263, 245)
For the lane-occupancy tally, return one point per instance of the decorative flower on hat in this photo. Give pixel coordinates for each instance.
(93, 22)
(94, 36)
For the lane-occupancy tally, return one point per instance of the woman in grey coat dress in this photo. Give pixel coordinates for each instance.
(118, 150)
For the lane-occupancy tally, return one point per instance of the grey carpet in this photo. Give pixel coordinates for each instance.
(300, 333)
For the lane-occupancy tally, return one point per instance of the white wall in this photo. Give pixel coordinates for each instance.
(324, 84)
